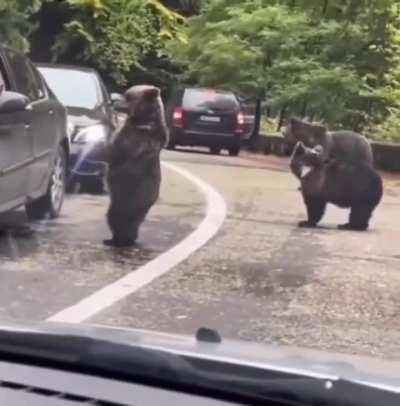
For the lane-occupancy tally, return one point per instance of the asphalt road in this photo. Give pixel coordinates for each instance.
(259, 278)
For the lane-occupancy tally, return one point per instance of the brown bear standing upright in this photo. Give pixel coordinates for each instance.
(134, 170)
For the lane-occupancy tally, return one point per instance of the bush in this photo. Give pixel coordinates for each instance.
(15, 26)
(389, 130)
(269, 125)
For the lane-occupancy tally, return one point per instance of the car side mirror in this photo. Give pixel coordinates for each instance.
(118, 102)
(121, 107)
(12, 102)
(116, 97)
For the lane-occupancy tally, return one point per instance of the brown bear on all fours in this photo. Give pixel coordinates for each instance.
(356, 186)
(134, 168)
(343, 145)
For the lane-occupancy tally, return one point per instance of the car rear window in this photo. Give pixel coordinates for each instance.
(209, 99)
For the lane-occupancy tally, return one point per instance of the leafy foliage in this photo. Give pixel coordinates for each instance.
(117, 35)
(335, 61)
(185, 7)
(389, 130)
(330, 60)
(15, 26)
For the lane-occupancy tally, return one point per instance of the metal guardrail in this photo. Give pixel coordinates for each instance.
(386, 155)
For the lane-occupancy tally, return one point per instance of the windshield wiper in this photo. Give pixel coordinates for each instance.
(183, 373)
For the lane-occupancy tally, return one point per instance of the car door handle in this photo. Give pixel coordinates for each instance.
(51, 112)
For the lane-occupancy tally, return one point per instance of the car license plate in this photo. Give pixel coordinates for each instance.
(211, 119)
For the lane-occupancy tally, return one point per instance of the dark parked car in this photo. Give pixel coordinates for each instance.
(34, 145)
(90, 121)
(206, 117)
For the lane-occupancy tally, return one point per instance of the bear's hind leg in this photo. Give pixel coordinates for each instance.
(122, 228)
(140, 216)
(315, 211)
(358, 219)
(125, 236)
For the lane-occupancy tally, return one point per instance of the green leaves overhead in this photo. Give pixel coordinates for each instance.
(326, 59)
(117, 35)
(15, 26)
(331, 60)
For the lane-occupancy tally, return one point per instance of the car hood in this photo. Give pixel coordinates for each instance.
(310, 363)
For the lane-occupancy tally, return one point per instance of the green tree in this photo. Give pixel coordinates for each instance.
(329, 60)
(15, 25)
(116, 36)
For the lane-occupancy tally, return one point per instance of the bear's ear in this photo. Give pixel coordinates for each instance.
(301, 147)
(151, 93)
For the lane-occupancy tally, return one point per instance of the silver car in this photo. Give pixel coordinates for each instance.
(33, 140)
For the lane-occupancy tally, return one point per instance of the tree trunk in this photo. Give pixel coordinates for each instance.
(304, 109)
(281, 117)
(325, 8)
(257, 120)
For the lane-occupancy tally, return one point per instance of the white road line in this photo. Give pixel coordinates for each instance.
(110, 294)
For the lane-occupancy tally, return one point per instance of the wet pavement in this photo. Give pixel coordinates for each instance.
(61, 261)
(260, 278)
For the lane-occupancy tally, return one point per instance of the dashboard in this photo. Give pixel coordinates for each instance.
(22, 385)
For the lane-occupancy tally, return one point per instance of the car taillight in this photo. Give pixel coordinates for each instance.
(177, 117)
(240, 122)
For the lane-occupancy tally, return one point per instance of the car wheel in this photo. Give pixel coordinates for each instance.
(234, 151)
(49, 205)
(215, 150)
(93, 185)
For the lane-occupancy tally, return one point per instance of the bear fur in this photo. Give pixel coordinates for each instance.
(343, 146)
(134, 169)
(357, 186)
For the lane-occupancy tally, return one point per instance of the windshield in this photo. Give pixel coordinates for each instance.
(209, 99)
(217, 164)
(73, 88)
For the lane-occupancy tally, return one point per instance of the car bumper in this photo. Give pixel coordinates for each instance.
(193, 138)
(87, 160)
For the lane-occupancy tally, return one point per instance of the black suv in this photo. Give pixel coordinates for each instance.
(34, 145)
(206, 117)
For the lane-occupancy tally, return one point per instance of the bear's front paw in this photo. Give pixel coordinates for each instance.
(125, 243)
(306, 224)
(353, 227)
(109, 243)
